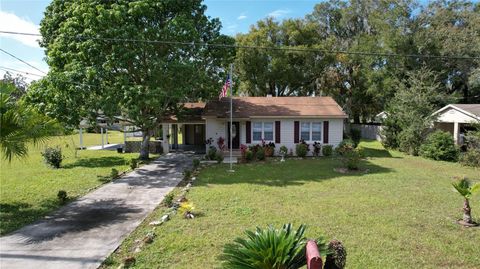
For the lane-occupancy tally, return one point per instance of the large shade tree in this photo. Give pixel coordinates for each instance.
(105, 56)
(452, 28)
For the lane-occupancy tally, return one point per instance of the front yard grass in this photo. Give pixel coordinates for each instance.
(28, 188)
(401, 214)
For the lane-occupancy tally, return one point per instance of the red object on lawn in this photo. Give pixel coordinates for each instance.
(314, 261)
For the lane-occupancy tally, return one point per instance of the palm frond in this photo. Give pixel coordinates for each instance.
(466, 187)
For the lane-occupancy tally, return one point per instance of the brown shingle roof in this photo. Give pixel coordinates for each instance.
(248, 107)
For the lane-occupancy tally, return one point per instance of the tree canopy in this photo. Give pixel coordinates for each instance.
(364, 83)
(92, 71)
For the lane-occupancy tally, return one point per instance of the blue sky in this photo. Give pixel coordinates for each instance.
(25, 15)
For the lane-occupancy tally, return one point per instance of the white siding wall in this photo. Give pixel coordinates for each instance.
(216, 128)
(453, 115)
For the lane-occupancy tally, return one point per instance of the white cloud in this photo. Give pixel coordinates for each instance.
(278, 13)
(13, 23)
(242, 16)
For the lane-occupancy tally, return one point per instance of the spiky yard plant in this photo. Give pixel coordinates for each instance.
(467, 189)
(269, 248)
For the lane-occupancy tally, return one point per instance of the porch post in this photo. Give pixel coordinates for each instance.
(80, 132)
(165, 142)
(455, 132)
(124, 135)
(101, 131)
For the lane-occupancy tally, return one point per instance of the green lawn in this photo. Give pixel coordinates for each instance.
(401, 214)
(28, 188)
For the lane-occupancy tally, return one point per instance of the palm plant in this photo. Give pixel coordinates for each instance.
(20, 124)
(466, 189)
(269, 248)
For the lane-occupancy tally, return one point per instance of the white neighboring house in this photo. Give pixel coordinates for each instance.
(281, 120)
(457, 119)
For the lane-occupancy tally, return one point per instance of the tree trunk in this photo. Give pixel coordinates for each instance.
(467, 216)
(144, 147)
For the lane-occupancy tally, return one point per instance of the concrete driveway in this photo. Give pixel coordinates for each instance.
(83, 233)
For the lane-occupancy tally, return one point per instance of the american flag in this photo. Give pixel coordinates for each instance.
(224, 91)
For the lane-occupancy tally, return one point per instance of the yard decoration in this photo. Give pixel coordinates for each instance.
(283, 152)
(314, 260)
(270, 248)
(466, 189)
(186, 209)
(337, 256)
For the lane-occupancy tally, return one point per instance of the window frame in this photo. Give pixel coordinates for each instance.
(310, 131)
(263, 132)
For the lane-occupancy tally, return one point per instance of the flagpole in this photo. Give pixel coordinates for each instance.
(231, 117)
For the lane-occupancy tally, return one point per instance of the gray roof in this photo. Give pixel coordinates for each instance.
(471, 108)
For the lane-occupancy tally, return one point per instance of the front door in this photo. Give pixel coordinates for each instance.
(235, 135)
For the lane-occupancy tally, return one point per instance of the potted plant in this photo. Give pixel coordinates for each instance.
(269, 148)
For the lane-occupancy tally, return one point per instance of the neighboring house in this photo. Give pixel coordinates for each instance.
(281, 120)
(457, 119)
(380, 117)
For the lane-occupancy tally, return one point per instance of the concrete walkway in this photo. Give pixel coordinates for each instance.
(83, 233)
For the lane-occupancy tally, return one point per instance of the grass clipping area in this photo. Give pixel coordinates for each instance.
(28, 187)
(401, 214)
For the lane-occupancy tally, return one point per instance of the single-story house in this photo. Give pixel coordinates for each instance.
(457, 119)
(281, 120)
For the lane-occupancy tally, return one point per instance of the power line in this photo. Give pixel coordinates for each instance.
(8, 53)
(19, 71)
(285, 48)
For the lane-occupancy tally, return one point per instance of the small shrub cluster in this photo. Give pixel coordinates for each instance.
(355, 136)
(327, 150)
(349, 155)
(301, 149)
(196, 163)
(249, 156)
(211, 153)
(114, 173)
(187, 174)
(62, 197)
(439, 146)
(168, 200)
(219, 157)
(53, 156)
(133, 163)
(283, 151)
(471, 157)
(260, 154)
